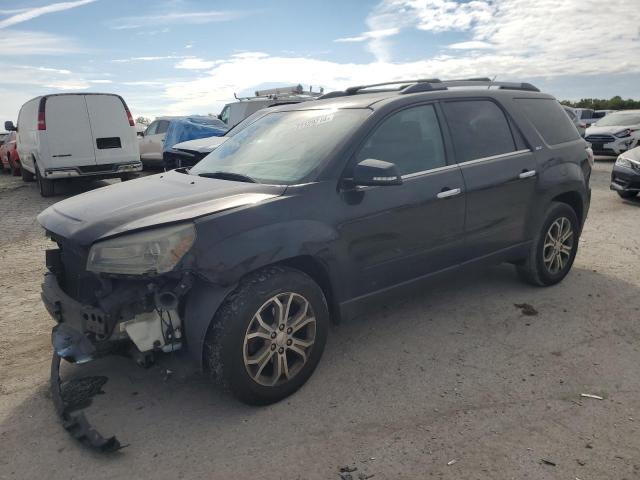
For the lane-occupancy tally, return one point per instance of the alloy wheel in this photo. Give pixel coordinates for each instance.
(558, 245)
(279, 339)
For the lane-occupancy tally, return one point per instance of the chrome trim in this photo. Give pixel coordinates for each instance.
(449, 193)
(433, 170)
(495, 157)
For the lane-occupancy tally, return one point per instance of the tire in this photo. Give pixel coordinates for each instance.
(13, 169)
(127, 177)
(548, 261)
(246, 366)
(627, 195)
(46, 187)
(26, 176)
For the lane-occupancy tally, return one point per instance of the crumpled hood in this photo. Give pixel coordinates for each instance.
(164, 198)
(201, 145)
(596, 130)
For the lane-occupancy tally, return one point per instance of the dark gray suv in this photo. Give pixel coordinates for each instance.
(310, 214)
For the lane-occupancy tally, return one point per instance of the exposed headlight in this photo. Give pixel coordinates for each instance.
(624, 133)
(628, 163)
(147, 252)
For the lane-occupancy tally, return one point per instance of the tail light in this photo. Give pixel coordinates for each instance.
(126, 109)
(42, 121)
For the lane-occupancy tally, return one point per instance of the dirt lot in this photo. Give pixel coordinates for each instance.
(455, 383)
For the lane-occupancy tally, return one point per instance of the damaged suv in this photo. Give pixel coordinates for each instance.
(307, 215)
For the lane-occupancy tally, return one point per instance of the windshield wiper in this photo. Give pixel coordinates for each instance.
(237, 177)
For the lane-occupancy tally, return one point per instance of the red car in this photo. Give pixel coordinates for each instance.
(9, 155)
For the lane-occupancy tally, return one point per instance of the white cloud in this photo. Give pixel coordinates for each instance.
(148, 59)
(195, 64)
(31, 13)
(471, 45)
(173, 18)
(101, 81)
(370, 35)
(21, 42)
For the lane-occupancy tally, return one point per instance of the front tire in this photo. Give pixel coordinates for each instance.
(46, 187)
(26, 175)
(553, 251)
(267, 338)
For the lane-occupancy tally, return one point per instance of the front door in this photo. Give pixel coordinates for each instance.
(393, 234)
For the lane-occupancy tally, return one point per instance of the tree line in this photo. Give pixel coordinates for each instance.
(614, 103)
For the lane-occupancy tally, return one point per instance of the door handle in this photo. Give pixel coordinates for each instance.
(527, 174)
(450, 192)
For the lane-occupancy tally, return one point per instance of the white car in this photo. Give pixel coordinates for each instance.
(75, 135)
(615, 133)
(152, 140)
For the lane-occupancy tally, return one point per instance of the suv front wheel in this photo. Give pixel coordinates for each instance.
(553, 250)
(267, 338)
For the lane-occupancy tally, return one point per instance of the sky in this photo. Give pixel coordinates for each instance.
(178, 57)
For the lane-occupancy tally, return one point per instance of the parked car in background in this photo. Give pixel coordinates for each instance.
(234, 113)
(3, 137)
(189, 128)
(75, 135)
(187, 154)
(598, 114)
(615, 133)
(152, 141)
(571, 113)
(585, 115)
(9, 155)
(625, 177)
(310, 215)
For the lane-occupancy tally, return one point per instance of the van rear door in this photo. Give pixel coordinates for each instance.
(68, 131)
(114, 139)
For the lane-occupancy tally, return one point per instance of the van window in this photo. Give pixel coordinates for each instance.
(224, 115)
(410, 138)
(549, 119)
(479, 129)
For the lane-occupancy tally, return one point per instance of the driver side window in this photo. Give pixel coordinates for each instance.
(151, 129)
(410, 138)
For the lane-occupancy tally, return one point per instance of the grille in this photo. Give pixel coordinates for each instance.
(105, 167)
(600, 138)
(74, 279)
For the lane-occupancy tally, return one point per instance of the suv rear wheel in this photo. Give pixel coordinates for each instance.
(627, 194)
(553, 250)
(267, 338)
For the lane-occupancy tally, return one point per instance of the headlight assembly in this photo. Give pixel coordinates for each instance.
(148, 252)
(628, 163)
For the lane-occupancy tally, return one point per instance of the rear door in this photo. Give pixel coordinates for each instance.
(68, 131)
(114, 139)
(395, 234)
(499, 173)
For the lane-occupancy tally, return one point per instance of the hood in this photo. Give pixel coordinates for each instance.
(608, 130)
(201, 145)
(149, 201)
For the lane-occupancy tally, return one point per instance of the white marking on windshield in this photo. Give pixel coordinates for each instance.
(315, 121)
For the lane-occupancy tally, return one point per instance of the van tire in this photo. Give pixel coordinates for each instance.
(534, 269)
(46, 187)
(26, 175)
(227, 344)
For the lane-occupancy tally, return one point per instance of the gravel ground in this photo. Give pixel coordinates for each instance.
(456, 382)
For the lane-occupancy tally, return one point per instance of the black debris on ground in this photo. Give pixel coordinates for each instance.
(526, 309)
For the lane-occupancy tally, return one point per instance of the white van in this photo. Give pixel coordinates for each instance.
(76, 135)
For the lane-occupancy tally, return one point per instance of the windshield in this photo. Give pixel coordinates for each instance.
(247, 121)
(620, 119)
(282, 147)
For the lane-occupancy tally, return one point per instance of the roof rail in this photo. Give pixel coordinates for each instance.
(426, 85)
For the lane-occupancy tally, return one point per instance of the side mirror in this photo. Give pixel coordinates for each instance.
(9, 126)
(371, 172)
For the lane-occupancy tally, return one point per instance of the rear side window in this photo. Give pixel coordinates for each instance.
(549, 119)
(479, 129)
(151, 129)
(586, 114)
(410, 138)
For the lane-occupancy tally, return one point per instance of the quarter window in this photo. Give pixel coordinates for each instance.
(549, 119)
(163, 126)
(479, 129)
(411, 139)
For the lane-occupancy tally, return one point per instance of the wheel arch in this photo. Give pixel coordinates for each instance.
(574, 200)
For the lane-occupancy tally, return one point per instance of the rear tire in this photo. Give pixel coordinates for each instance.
(46, 187)
(26, 175)
(627, 195)
(554, 248)
(127, 177)
(267, 338)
